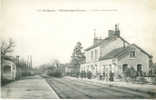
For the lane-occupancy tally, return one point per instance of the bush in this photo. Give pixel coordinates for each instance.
(68, 74)
(141, 79)
(5, 81)
(83, 74)
(129, 74)
(77, 74)
(55, 74)
(89, 75)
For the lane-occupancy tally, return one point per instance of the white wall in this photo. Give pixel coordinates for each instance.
(141, 58)
(110, 46)
(88, 55)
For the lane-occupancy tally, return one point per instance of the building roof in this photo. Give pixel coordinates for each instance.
(119, 51)
(114, 53)
(96, 45)
(142, 50)
(105, 42)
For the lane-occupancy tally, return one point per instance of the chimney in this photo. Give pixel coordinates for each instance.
(117, 31)
(96, 39)
(114, 33)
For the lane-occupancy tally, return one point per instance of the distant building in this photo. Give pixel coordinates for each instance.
(114, 55)
(69, 69)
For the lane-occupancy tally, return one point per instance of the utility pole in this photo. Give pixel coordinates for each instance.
(18, 73)
(17, 60)
(1, 69)
(30, 64)
(31, 61)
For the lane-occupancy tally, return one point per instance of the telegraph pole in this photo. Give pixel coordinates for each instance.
(18, 73)
(31, 64)
(31, 61)
(28, 65)
(1, 69)
(17, 60)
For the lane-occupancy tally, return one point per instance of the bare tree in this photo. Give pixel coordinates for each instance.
(7, 47)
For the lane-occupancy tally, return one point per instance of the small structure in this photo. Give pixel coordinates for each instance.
(9, 70)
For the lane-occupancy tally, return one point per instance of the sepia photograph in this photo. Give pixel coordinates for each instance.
(78, 49)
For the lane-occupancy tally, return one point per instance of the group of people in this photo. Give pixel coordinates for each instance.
(107, 76)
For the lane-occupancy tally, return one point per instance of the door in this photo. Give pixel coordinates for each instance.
(139, 69)
(124, 67)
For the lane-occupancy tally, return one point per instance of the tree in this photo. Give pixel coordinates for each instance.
(7, 47)
(77, 56)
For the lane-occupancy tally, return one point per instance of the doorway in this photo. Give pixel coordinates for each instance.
(139, 69)
(124, 67)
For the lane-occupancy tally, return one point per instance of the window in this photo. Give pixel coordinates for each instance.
(139, 67)
(91, 55)
(96, 54)
(88, 56)
(103, 68)
(87, 68)
(96, 67)
(132, 54)
(92, 67)
(7, 69)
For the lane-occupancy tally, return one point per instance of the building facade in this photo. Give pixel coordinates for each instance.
(115, 55)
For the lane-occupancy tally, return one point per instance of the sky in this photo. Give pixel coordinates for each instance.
(52, 34)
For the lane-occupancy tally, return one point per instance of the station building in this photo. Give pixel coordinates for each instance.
(114, 54)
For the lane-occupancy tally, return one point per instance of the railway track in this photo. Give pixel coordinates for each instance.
(125, 88)
(67, 88)
(115, 92)
(138, 94)
(91, 92)
(67, 91)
